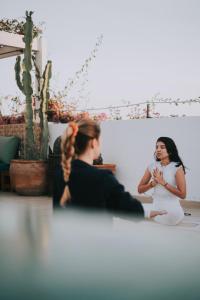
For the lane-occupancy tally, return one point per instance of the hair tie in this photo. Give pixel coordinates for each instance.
(74, 127)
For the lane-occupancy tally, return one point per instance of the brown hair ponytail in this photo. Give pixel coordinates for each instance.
(67, 150)
(75, 141)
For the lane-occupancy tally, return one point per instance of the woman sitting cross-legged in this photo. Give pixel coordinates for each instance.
(86, 186)
(167, 178)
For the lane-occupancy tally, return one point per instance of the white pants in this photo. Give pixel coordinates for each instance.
(175, 213)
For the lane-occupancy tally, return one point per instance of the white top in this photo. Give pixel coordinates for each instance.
(163, 199)
(169, 175)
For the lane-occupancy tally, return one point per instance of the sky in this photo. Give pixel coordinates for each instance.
(149, 47)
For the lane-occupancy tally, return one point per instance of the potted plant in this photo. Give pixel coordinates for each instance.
(29, 174)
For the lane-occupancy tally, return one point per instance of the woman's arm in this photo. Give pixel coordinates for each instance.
(180, 190)
(145, 183)
(117, 199)
(120, 201)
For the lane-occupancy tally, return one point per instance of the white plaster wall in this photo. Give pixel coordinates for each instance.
(130, 145)
(55, 130)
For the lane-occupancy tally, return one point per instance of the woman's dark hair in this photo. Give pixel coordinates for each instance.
(171, 150)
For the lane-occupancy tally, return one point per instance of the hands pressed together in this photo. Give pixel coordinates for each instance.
(157, 178)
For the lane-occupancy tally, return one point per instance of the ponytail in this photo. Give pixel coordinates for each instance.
(75, 141)
(67, 150)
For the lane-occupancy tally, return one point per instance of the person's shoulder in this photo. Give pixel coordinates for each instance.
(102, 172)
(104, 176)
(87, 168)
(176, 166)
(173, 164)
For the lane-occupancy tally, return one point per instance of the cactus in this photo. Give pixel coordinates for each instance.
(44, 96)
(24, 82)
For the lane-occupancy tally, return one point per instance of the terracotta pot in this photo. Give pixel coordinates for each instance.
(28, 177)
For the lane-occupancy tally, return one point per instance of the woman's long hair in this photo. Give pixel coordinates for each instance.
(171, 150)
(74, 142)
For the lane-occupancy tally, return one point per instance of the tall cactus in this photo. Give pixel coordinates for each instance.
(25, 85)
(44, 96)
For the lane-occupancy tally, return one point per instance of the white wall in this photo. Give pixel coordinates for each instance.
(130, 145)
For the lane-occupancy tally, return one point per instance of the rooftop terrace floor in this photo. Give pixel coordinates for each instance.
(68, 256)
(43, 204)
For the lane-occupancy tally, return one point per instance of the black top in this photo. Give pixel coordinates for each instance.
(96, 188)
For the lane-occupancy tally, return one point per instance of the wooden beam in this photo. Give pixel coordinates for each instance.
(15, 40)
(10, 53)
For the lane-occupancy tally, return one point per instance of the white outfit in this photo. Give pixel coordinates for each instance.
(165, 200)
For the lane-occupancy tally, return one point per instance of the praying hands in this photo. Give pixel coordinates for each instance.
(158, 177)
